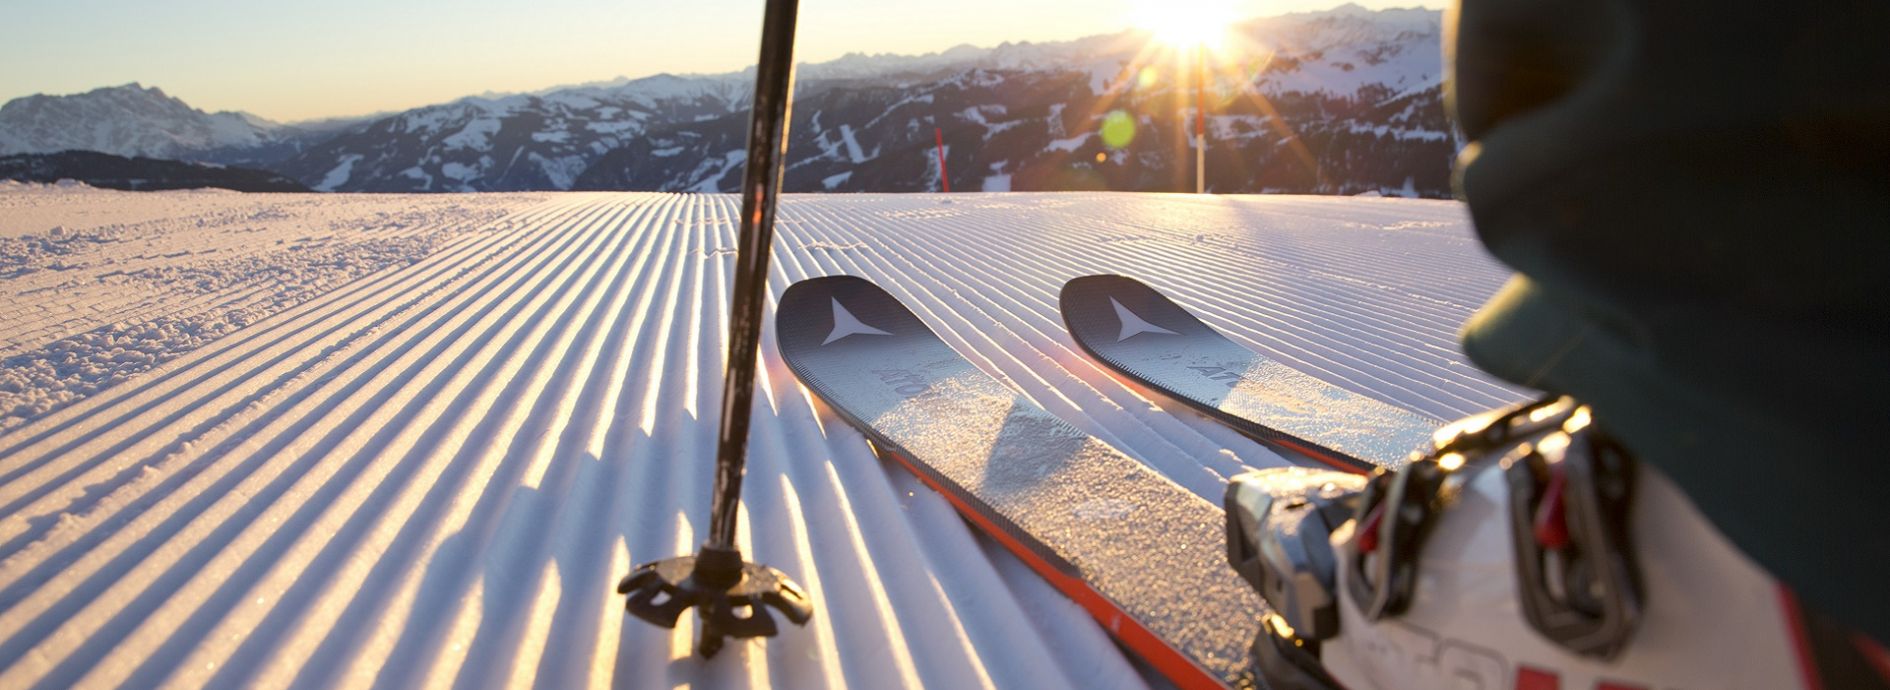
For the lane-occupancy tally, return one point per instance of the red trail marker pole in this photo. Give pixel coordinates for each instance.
(938, 134)
(1200, 120)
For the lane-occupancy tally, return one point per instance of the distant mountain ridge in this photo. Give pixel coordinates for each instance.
(1341, 101)
(128, 120)
(134, 120)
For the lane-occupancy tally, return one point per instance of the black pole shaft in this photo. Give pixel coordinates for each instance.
(761, 183)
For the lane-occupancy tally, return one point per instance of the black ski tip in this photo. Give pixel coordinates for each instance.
(1092, 309)
(827, 284)
(1080, 292)
(818, 312)
(1101, 282)
(812, 296)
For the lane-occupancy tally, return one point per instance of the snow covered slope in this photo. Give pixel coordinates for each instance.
(434, 474)
(541, 141)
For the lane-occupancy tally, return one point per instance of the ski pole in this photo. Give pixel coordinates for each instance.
(729, 594)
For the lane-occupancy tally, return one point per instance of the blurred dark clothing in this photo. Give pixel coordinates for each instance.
(1697, 198)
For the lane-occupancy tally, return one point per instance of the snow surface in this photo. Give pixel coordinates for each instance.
(101, 285)
(433, 472)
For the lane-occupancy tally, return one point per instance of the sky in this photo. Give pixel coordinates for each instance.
(291, 61)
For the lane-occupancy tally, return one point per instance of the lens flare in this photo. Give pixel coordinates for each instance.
(1118, 129)
(1146, 78)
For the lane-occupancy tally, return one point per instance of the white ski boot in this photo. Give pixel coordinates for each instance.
(1528, 551)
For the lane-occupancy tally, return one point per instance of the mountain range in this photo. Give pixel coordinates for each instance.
(1341, 101)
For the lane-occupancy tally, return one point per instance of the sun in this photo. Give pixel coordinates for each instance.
(1187, 23)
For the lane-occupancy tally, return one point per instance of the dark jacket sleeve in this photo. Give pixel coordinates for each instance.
(1696, 197)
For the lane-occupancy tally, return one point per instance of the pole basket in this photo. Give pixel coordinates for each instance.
(731, 597)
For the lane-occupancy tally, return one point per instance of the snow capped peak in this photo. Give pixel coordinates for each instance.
(610, 83)
(132, 89)
(254, 120)
(127, 120)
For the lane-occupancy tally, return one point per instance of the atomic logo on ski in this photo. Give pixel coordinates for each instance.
(1232, 379)
(845, 324)
(1133, 325)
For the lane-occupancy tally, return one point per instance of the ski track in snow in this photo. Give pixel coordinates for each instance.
(434, 473)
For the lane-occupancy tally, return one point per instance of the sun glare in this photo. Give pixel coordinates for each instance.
(1187, 23)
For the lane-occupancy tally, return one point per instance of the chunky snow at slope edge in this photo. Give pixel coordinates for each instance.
(102, 285)
(435, 473)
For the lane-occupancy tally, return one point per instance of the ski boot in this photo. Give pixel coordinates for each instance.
(1525, 550)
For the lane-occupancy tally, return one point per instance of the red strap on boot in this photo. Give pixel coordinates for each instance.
(1368, 530)
(1551, 524)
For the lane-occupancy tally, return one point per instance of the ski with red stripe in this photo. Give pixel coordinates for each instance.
(1138, 332)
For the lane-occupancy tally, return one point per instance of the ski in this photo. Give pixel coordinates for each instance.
(1144, 556)
(1145, 336)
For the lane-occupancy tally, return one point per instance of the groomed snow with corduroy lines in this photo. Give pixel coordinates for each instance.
(423, 454)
